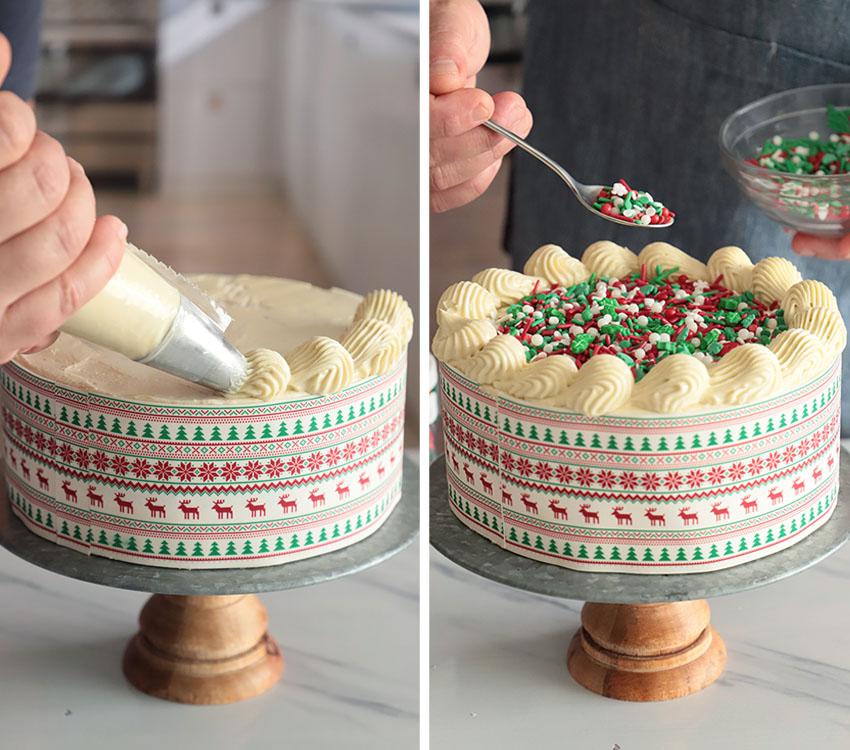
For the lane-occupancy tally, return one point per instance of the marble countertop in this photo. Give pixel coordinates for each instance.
(350, 680)
(499, 677)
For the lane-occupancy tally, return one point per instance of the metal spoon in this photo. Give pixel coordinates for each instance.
(586, 194)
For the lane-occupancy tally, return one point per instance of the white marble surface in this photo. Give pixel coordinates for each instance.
(499, 677)
(351, 670)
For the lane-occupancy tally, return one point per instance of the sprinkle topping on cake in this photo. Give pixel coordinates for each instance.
(641, 320)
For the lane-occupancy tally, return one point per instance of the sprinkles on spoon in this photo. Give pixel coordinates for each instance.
(640, 319)
(635, 206)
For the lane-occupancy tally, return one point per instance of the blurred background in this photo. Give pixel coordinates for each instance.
(273, 137)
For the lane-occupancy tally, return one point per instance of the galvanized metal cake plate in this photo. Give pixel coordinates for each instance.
(477, 554)
(399, 530)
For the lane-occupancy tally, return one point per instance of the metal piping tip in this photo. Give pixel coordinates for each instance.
(195, 349)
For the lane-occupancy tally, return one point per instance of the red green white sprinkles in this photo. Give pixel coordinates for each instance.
(640, 319)
(635, 206)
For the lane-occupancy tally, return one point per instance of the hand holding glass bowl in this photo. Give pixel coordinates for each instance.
(815, 207)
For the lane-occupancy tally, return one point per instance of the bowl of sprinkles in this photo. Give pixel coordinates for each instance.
(790, 154)
(640, 319)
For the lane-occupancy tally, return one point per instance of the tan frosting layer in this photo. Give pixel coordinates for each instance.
(679, 383)
(268, 314)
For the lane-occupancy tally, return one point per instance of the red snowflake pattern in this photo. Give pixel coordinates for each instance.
(66, 453)
(363, 447)
(100, 461)
(804, 446)
(28, 434)
(83, 458)
(348, 452)
(185, 471)
(230, 471)
(276, 467)
(523, 467)
(52, 446)
(509, 462)
(606, 479)
(333, 456)
(207, 472)
(40, 440)
(584, 477)
(494, 451)
(483, 447)
(736, 471)
(563, 474)
(650, 481)
(629, 480)
(756, 466)
(252, 470)
(716, 475)
(162, 470)
(673, 480)
(773, 461)
(544, 471)
(140, 468)
(295, 465)
(788, 454)
(695, 478)
(120, 465)
(375, 440)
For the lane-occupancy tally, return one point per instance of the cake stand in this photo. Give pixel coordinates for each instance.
(203, 635)
(642, 637)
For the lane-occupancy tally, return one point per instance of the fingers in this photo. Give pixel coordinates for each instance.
(5, 57)
(459, 159)
(43, 344)
(466, 192)
(460, 111)
(459, 43)
(31, 319)
(828, 248)
(17, 128)
(33, 188)
(34, 257)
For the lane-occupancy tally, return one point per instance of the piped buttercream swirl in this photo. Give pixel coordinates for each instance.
(803, 296)
(608, 259)
(743, 375)
(603, 384)
(827, 325)
(773, 277)
(320, 365)
(554, 264)
(542, 379)
(666, 256)
(501, 357)
(267, 376)
(375, 346)
(466, 299)
(676, 383)
(462, 339)
(734, 265)
(389, 306)
(801, 355)
(507, 286)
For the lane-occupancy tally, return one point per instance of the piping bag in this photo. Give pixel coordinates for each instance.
(153, 315)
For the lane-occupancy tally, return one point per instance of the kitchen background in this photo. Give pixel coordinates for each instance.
(248, 136)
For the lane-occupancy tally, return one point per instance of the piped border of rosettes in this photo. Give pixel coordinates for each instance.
(469, 311)
(372, 345)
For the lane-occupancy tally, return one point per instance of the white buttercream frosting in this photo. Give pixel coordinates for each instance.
(466, 300)
(675, 384)
(742, 375)
(389, 306)
(606, 258)
(462, 340)
(805, 295)
(500, 357)
(555, 265)
(321, 365)
(507, 286)
(734, 265)
(773, 277)
(375, 346)
(603, 385)
(665, 256)
(541, 380)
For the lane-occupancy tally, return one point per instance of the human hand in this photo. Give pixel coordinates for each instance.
(464, 156)
(54, 254)
(829, 248)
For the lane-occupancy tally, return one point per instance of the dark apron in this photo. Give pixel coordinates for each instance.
(638, 90)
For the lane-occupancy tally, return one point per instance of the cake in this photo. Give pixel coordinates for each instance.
(641, 413)
(112, 458)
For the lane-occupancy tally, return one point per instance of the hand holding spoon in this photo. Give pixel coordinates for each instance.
(618, 203)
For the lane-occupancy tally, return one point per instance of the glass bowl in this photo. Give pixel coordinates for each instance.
(803, 203)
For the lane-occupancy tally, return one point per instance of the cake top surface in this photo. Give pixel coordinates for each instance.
(640, 319)
(267, 312)
(657, 332)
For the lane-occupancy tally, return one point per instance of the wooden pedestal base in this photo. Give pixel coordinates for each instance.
(646, 652)
(203, 649)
